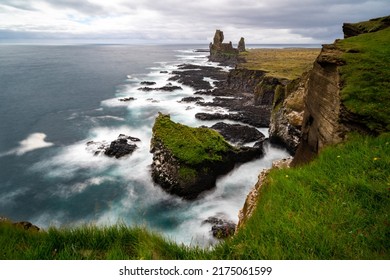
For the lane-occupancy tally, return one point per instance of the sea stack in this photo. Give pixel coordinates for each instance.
(224, 52)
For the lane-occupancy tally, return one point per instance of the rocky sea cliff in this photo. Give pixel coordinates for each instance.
(312, 112)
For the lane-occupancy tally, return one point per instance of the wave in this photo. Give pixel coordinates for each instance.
(33, 142)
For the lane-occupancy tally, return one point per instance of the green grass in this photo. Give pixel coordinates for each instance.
(366, 78)
(280, 63)
(372, 25)
(189, 145)
(336, 207)
(87, 242)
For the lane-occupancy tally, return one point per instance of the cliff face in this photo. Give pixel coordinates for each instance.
(345, 91)
(287, 114)
(322, 124)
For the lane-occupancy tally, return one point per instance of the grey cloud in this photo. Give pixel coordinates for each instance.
(320, 20)
(85, 7)
(18, 4)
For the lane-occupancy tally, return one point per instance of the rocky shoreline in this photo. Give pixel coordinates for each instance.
(249, 97)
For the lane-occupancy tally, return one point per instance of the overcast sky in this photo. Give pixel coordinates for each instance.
(180, 21)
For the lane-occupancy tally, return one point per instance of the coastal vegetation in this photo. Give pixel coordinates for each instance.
(335, 207)
(287, 63)
(366, 78)
(190, 145)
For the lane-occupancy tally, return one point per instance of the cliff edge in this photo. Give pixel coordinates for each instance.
(347, 90)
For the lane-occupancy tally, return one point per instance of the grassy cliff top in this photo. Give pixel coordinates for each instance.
(190, 145)
(366, 77)
(287, 63)
(372, 25)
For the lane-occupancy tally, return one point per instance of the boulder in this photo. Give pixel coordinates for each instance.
(120, 147)
(221, 228)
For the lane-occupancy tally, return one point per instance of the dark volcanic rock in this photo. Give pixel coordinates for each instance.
(237, 133)
(252, 115)
(125, 99)
(191, 99)
(118, 148)
(148, 83)
(193, 76)
(221, 228)
(168, 87)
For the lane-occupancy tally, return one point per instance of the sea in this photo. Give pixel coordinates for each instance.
(56, 98)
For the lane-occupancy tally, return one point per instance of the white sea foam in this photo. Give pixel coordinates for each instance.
(33, 142)
(111, 118)
(66, 191)
(141, 201)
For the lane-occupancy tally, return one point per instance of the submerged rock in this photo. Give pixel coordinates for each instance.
(187, 161)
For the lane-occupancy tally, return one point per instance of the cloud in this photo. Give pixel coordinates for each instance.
(259, 21)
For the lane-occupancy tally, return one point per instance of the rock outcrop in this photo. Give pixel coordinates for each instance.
(221, 228)
(22, 224)
(225, 53)
(287, 114)
(118, 148)
(241, 45)
(187, 161)
(373, 25)
(253, 94)
(322, 124)
(328, 118)
(193, 76)
(238, 134)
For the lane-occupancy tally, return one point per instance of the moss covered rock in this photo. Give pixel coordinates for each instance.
(187, 160)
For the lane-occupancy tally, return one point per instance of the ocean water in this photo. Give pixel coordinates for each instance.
(54, 99)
